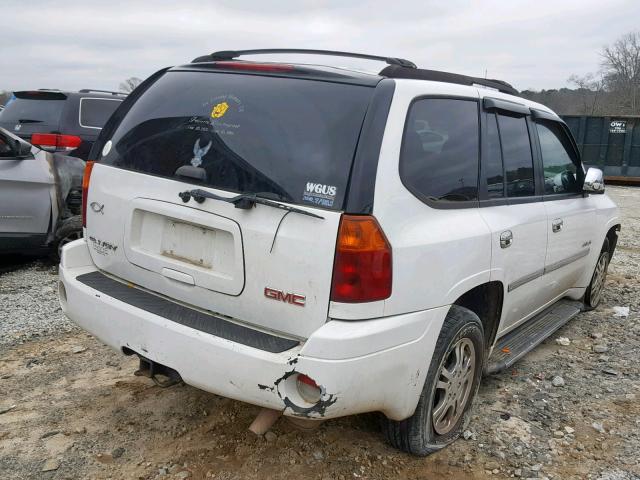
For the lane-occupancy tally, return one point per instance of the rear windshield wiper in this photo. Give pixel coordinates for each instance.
(244, 201)
(28, 120)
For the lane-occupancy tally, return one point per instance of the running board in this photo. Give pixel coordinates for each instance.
(517, 343)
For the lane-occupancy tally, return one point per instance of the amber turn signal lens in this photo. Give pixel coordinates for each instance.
(85, 189)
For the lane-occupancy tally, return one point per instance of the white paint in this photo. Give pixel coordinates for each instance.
(377, 363)
(242, 263)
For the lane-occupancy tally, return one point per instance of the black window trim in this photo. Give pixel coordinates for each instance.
(361, 185)
(491, 103)
(442, 204)
(537, 117)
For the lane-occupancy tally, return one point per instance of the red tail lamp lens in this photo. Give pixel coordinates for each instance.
(362, 270)
(55, 140)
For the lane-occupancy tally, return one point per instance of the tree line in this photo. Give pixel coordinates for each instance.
(613, 90)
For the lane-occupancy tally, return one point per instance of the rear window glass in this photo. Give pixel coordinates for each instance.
(293, 139)
(24, 110)
(94, 112)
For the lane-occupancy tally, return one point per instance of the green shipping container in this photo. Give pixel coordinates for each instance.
(609, 143)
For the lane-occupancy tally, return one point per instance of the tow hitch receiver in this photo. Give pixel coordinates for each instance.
(161, 375)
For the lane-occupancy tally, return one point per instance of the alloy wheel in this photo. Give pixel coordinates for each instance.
(453, 387)
(599, 277)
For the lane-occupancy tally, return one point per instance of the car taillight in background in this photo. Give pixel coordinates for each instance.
(55, 141)
(362, 270)
(85, 189)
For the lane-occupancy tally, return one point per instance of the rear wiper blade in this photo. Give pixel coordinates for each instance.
(28, 120)
(244, 201)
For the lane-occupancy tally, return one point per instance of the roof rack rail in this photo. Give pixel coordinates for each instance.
(93, 90)
(397, 71)
(233, 54)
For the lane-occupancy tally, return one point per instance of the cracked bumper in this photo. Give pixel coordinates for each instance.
(361, 366)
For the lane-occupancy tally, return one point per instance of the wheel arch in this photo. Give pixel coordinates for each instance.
(485, 300)
(612, 236)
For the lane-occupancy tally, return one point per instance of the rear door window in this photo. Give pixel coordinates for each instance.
(94, 112)
(516, 152)
(559, 161)
(288, 138)
(440, 150)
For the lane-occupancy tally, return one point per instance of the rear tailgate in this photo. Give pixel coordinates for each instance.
(213, 256)
(291, 140)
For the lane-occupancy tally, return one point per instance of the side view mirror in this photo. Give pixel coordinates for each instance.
(22, 149)
(593, 181)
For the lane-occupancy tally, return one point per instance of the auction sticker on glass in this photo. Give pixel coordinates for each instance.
(320, 194)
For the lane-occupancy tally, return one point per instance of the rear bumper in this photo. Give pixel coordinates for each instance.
(362, 366)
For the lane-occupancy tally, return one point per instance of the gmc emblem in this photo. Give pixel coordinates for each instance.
(292, 298)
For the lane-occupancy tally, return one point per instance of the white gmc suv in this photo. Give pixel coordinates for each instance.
(324, 242)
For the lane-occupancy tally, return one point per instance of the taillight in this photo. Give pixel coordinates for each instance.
(55, 141)
(362, 271)
(85, 189)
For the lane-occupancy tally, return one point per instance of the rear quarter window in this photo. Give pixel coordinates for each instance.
(440, 150)
(289, 138)
(94, 112)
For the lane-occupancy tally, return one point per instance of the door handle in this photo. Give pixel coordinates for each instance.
(557, 225)
(506, 239)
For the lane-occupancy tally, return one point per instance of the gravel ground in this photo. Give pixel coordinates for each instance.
(29, 305)
(69, 405)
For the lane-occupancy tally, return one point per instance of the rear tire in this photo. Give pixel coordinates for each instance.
(593, 295)
(451, 384)
(68, 231)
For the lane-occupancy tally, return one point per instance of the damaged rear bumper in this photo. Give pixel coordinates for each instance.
(361, 366)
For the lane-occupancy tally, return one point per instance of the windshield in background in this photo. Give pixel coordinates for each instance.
(291, 138)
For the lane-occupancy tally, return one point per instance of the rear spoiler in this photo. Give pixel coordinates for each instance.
(40, 95)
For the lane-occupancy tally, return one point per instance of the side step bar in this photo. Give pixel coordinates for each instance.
(517, 343)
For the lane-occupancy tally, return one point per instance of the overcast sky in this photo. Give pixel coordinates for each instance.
(531, 44)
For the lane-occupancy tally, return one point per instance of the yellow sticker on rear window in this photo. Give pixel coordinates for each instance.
(219, 110)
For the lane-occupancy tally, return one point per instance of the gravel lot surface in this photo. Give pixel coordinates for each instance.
(71, 408)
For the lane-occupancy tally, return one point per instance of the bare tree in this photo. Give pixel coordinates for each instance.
(621, 68)
(590, 88)
(130, 84)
